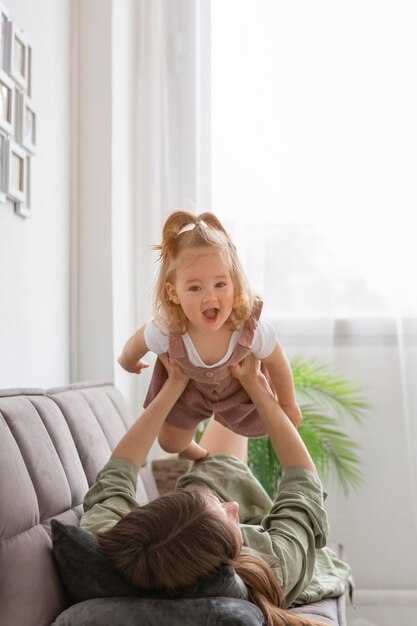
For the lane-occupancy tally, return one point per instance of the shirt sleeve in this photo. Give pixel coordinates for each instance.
(264, 340)
(156, 339)
(297, 525)
(112, 496)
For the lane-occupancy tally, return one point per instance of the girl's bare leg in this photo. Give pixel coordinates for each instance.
(173, 439)
(218, 439)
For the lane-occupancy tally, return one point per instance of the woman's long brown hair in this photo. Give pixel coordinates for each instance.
(177, 539)
(265, 592)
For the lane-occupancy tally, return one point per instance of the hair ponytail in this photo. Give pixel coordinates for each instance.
(265, 592)
(173, 225)
(213, 221)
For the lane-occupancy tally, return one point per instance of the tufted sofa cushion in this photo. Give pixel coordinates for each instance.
(52, 443)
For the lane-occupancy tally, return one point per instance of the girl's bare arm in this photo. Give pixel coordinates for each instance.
(133, 351)
(282, 380)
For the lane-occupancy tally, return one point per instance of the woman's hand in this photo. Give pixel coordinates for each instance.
(249, 374)
(175, 373)
(248, 368)
(137, 442)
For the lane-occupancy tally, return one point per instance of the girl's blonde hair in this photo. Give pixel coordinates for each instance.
(177, 539)
(184, 231)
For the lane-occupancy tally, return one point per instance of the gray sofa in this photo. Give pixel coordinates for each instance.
(52, 444)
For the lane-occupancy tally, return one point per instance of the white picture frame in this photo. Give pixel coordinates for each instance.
(29, 71)
(25, 121)
(26, 125)
(17, 112)
(3, 167)
(18, 56)
(4, 38)
(18, 118)
(7, 103)
(24, 209)
(16, 172)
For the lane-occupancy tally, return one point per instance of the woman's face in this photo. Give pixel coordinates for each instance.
(228, 511)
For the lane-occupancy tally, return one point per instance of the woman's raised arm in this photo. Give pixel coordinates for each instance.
(287, 443)
(138, 440)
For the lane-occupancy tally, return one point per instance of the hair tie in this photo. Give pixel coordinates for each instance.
(185, 229)
(191, 226)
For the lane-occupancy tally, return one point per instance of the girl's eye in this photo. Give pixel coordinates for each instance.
(219, 285)
(194, 288)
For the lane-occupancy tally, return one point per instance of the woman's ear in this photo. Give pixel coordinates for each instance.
(172, 293)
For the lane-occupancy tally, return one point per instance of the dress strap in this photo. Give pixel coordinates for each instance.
(246, 336)
(176, 347)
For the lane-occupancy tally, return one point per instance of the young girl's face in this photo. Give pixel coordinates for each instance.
(204, 289)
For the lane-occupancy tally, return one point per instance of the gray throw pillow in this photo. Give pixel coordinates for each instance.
(145, 612)
(87, 573)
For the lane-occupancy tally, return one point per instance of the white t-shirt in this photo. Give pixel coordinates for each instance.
(264, 342)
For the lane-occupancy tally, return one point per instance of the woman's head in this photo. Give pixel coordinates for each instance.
(179, 538)
(173, 541)
(198, 248)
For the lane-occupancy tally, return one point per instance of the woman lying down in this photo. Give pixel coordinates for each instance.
(220, 514)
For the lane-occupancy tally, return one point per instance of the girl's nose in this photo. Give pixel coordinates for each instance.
(209, 296)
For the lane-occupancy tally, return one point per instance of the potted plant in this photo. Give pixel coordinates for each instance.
(325, 399)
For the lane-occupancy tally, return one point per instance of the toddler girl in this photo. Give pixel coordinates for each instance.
(207, 319)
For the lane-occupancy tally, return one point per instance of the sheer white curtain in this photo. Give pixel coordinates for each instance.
(314, 135)
(156, 107)
(314, 154)
(165, 132)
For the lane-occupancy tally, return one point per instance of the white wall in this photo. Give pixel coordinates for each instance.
(74, 282)
(34, 261)
(66, 279)
(66, 274)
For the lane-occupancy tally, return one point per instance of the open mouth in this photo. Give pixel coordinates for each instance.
(211, 314)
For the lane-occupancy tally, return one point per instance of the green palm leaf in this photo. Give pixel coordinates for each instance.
(317, 383)
(329, 399)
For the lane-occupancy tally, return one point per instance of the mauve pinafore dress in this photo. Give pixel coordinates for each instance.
(212, 391)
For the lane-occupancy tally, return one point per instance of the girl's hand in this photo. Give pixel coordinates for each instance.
(140, 365)
(135, 369)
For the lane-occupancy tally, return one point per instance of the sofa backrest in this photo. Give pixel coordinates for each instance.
(52, 444)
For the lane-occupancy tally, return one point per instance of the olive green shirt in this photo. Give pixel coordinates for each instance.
(289, 534)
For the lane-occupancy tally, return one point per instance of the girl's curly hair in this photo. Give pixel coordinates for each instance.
(184, 231)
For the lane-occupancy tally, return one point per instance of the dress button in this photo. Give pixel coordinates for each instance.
(210, 374)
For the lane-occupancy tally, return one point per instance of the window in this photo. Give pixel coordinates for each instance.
(313, 137)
